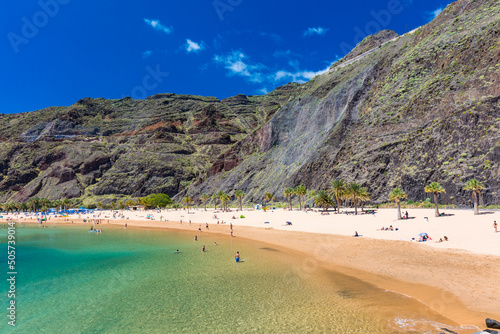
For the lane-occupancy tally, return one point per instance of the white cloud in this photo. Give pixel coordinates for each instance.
(237, 63)
(433, 14)
(315, 31)
(298, 76)
(193, 46)
(146, 54)
(155, 24)
(262, 91)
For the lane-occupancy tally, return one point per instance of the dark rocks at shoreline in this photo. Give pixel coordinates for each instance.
(490, 323)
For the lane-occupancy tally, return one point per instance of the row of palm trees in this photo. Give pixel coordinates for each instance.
(219, 197)
(223, 198)
(340, 192)
(337, 194)
(435, 188)
(36, 204)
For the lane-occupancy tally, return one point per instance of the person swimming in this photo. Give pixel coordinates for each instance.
(237, 257)
(176, 252)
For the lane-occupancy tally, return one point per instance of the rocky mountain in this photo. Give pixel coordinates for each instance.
(423, 107)
(107, 148)
(397, 111)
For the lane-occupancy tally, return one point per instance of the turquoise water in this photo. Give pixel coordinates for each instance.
(130, 281)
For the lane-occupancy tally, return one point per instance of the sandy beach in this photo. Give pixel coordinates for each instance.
(456, 278)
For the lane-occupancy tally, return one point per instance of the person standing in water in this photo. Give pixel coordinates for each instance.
(237, 257)
(203, 249)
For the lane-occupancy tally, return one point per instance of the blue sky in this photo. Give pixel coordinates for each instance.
(55, 52)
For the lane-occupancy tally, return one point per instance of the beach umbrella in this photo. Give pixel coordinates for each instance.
(422, 234)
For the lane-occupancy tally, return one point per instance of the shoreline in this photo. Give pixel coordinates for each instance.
(454, 283)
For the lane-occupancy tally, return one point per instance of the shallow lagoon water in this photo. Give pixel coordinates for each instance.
(131, 281)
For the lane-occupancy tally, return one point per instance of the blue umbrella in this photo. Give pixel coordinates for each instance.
(422, 234)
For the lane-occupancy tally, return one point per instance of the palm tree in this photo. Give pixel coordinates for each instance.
(288, 194)
(435, 188)
(338, 190)
(268, 197)
(300, 191)
(214, 198)
(356, 193)
(397, 195)
(323, 200)
(365, 197)
(23, 207)
(224, 198)
(17, 207)
(34, 203)
(66, 203)
(44, 202)
(239, 195)
(475, 186)
(204, 198)
(217, 196)
(57, 203)
(187, 200)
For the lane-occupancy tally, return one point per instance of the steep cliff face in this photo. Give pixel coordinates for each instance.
(423, 107)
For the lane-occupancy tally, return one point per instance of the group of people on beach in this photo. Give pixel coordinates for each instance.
(445, 238)
(390, 228)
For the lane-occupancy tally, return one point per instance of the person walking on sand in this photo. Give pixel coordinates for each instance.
(237, 257)
(495, 226)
